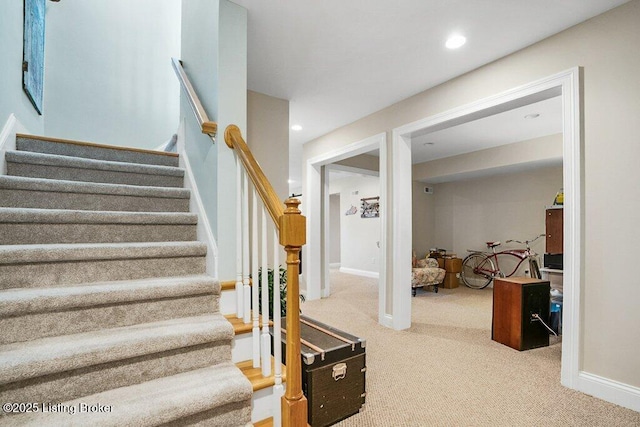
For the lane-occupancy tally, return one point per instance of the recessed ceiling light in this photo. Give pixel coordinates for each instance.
(455, 41)
(296, 127)
(532, 116)
(428, 143)
(290, 181)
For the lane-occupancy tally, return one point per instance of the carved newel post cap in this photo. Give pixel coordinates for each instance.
(292, 206)
(293, 225)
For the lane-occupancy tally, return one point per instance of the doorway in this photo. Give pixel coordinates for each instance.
(316, 272)
(396, 203)
(566, 85)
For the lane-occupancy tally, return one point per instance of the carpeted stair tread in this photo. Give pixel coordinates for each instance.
(51, 166)
(34, 226)
(25, 301)
(63, 147)
(83, 163)
(104, 296)
(160, 401)
(28, 254)
(64, 216)
(27, 192)
(20, 361)
(63, 186)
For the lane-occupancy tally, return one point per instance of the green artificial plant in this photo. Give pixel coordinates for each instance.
(283, 290)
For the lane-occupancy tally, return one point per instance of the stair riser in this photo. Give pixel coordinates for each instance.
(94, 202)
(93, 152)
(95, 379)
(227, 415)
(93, 318)
(92, 175)
(44, 233)
(48, 274)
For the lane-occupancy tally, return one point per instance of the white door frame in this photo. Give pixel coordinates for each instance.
(566, 84)
(316, 270)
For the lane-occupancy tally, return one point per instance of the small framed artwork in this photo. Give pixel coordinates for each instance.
(370, 207)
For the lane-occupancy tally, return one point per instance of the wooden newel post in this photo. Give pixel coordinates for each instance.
(293, 237)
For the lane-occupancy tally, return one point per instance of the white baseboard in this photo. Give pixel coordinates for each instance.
(203, 230)
(612, 391)
(372, 274)
(8, 140)
(334, 265)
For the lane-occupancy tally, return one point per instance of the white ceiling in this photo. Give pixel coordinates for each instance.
(337, 61)
(500, 129)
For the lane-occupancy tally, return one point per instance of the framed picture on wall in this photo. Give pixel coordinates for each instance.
(370, 207)
(33, 52)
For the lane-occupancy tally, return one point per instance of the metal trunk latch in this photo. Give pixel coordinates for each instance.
(339, 371)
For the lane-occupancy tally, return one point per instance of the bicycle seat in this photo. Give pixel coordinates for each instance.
(493, 244)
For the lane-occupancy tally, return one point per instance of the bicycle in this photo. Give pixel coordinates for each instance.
(479, 269)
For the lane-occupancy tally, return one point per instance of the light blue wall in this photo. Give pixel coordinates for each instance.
(108, 75)
(13, 100)
(108, 71)
(214, 55)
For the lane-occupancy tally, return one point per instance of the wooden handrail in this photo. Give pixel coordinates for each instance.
(291, 225)
(293, 236)
(233, 138)
(208, 127)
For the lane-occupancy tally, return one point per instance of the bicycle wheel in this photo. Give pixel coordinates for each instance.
(475, 271)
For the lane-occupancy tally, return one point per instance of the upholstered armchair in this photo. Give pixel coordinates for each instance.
(426, 273)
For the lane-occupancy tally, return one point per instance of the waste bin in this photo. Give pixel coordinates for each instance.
(555, 316)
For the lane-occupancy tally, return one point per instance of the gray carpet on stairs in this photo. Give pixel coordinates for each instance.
(104, 298)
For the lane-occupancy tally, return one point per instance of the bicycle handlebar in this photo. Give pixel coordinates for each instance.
(526, 242)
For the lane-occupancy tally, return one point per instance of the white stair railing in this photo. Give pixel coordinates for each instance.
(288, 228)
(239, 247)
(246, 288)
(290, 233)
(254, 275)
(278, 389)
(256, 255)
(266, 338)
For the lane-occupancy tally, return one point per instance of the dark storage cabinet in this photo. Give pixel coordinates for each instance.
(515, 300)
(333, 371)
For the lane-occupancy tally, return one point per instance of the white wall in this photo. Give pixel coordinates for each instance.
(268, 138)
(520, 162)
(423, 219)
(362, 161)
(359, 252)
(108, 74)
(529, 154)
(335, 221)
(466, 214)
(13, 100)
(606, 48)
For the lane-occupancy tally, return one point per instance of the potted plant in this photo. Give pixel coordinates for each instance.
(283, 290)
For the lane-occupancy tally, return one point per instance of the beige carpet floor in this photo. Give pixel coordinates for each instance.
(446, 370)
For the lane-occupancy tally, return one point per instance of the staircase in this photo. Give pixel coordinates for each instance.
(105, 304)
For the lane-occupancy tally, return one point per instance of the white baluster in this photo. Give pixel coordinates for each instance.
(278, 389)
(254, 275)
(245, 249)
(239, 289)
(266, 338)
